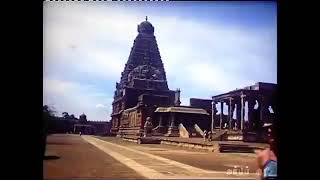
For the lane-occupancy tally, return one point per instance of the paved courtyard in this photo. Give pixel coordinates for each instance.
(78, 159)
(89, 157)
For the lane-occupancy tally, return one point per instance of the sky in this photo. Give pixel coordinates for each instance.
(207, 48)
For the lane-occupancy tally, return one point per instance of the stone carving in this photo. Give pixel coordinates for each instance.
(122, 106)
(118, 108)
(143, 71)
(146, 72)
(148, 127)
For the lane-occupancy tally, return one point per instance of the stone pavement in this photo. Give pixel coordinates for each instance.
(195, 157)
(70, 157)
(152, 166)
(201, 141)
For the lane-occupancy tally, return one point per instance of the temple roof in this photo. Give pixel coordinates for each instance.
(146, 27)
(189, 110)
(144, 61)
(83, 116)
(258, 89)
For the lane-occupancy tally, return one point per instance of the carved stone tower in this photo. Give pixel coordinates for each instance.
(143, 76)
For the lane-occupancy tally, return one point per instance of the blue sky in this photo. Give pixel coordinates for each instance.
(207, 48)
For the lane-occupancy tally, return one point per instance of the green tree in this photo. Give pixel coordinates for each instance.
(72, 116)
(47, 117)
(65, 115)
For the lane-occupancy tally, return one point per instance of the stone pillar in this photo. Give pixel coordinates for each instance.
(251, 103)
(238, 113)
(172, 120)
(262, 104)
(230, 112)
(213, 109)
(233, 106)
(173, 131)
(221, 113)
(160, 129)
(242, 111)
(228, 115)
(160, 120)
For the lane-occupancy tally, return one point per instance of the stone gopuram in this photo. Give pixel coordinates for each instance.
(143, 85)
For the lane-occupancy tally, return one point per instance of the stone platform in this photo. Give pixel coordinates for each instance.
(142, 140)
(199, 144)
(148, 140)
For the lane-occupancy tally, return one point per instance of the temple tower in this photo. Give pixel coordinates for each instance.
(144, 56)
(143, 76)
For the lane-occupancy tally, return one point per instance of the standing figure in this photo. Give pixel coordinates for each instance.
(204, 135)
(148, 127)
(210, 136)
(225, 126)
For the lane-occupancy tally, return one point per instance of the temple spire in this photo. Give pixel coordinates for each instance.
(142, 54)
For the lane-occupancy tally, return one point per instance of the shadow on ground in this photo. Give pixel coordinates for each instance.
(51, 157)
(59, 143)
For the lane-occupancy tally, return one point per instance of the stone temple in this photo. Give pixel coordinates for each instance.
(143, 93)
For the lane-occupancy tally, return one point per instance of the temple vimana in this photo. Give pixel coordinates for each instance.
(143, 93)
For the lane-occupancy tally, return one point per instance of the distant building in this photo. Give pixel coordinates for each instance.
(74, 125)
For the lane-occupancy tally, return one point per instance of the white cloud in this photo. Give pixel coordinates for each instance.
(184, 101)
(180, 40)
(213, 78)
(76, 99)
(100, 106)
